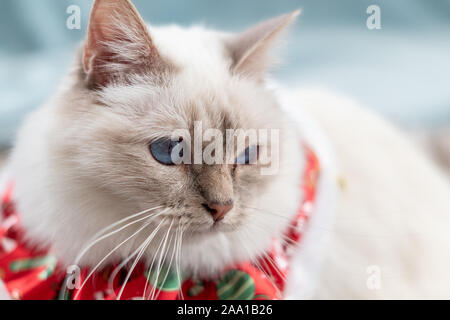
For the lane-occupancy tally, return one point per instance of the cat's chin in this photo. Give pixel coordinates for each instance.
(213, 230)
(222, 228)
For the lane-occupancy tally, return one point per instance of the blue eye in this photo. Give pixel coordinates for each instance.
(249, 156)
(162, 150)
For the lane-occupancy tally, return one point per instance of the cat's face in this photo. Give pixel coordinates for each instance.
(135, 91)
(114, 148)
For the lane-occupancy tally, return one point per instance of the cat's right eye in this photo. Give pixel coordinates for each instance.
(249, 156)
(162, 150)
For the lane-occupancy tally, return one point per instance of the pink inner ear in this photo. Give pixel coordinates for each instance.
(118, 42)
(94, 66)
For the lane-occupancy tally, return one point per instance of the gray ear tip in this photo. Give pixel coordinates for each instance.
(288, 18)
(293, 15)
(296, 13)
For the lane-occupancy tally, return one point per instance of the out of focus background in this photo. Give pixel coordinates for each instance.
(401, 70)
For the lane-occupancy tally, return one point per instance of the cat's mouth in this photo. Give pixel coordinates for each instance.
(214, 229)
(222, 227)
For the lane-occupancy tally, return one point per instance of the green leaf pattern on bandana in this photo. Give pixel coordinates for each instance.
(167, 280)
(196, 289)
(49, 262)
(236, 285)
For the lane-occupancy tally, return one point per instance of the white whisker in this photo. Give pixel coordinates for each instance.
(125, 261)
(169, 267)
(126, 219)
(160, 261)
(268, 212)
(150, 268)
(269, 259)
(178, 260)
(94, 239)
(273, 264)
(141, 250)
(258, 265)
(117, 247)
(285, 239)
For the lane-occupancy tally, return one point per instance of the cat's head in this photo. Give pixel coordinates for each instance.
(139, 85)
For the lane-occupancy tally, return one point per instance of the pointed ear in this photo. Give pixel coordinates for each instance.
(118, 44)
(250, 50)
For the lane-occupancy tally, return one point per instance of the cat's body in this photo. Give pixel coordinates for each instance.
(390, 235)
(82, 163)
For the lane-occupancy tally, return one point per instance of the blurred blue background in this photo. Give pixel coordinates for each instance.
(402, 70)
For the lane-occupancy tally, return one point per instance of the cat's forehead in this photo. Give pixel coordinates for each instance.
(214, 110)
(199, 52)
(180, 105)
(202, 88)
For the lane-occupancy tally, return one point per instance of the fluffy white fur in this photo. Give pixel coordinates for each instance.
(393, 210)
(70, 180)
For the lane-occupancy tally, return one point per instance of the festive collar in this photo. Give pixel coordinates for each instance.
(34, 274)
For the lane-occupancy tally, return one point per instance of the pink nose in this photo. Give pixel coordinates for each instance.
(218, 210)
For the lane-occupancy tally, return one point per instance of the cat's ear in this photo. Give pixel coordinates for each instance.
(250, 50)
(118, 44)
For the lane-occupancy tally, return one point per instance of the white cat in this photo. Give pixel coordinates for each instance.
(84, 161)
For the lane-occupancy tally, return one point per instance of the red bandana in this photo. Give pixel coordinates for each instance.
(33, 274)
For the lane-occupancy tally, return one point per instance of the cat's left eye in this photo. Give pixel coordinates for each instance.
(249, 156)
(163, 151)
